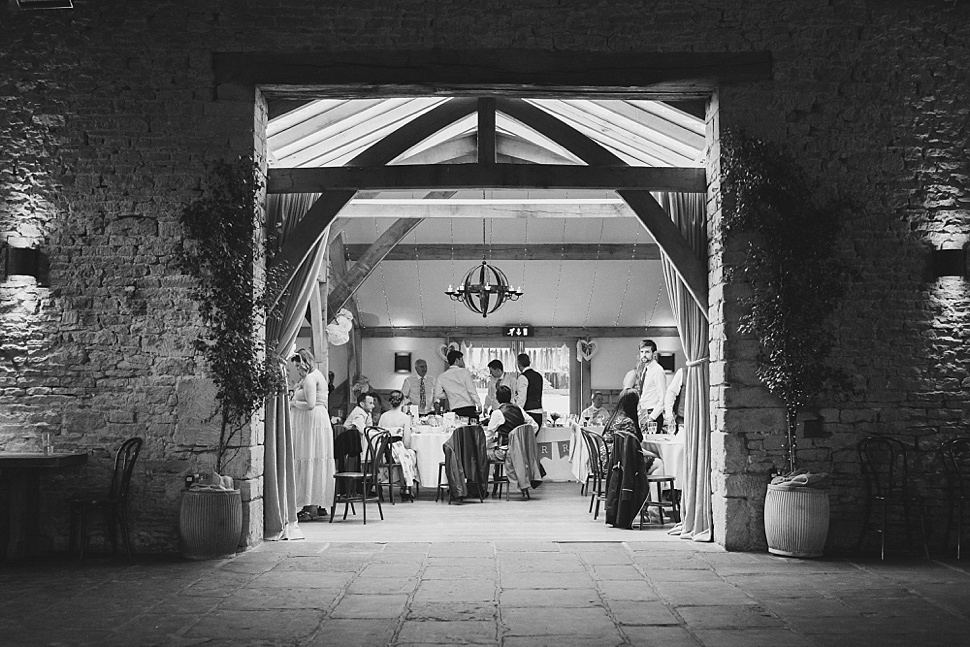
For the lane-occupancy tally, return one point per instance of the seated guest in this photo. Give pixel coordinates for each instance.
(505, 417)
(399, 424)
(596, 413)
(624, 418)
(361, 418)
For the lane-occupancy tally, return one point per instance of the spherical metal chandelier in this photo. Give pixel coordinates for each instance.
(485, 287)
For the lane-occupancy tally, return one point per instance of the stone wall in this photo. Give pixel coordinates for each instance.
(109, 112)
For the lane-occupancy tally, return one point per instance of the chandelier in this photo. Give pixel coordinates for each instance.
(485, 287)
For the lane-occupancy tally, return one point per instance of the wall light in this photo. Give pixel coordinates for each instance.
(402, 362)
(24, 261)
(951, 261)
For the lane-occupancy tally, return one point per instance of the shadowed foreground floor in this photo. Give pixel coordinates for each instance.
(637, 588)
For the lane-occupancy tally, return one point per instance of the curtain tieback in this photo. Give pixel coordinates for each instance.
(698, 362)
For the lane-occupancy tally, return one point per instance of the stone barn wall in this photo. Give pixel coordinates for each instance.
(109, 112)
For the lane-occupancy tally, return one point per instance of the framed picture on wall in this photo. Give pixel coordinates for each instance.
(402, 362)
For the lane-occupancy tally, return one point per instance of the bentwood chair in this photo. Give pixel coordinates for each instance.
(113, 504)
(956, 465)
(361, 487)
(885, 469)
(596, 446)
(388, 468)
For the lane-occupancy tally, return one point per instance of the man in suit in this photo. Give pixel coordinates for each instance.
(418, 389)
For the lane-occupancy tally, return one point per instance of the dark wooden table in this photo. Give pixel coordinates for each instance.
(23, 470)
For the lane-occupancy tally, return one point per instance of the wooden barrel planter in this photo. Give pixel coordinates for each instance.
(796, 520)
(210, 523)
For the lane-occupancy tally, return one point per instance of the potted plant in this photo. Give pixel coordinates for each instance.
(797, 278)
(221, 249)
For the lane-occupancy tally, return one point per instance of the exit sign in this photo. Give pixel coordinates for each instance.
(521, 330)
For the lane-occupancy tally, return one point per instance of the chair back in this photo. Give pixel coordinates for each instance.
(885, 466)
(384, 458)
(377, 446)
(124, 466)
(596, 446)
(956, 464)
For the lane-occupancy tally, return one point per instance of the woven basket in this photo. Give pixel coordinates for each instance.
(796, 521)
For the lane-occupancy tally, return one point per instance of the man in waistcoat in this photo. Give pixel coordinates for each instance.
(505, 417)
(529, 395)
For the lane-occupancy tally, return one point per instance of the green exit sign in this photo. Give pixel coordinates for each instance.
(522, 330)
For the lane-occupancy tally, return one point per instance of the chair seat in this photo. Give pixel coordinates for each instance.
(349, 475)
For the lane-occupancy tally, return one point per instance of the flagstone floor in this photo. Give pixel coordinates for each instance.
(461, 582)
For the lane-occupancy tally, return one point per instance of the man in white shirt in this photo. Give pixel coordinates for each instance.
(674, 403)
(499, 378)
(596, 413)
(652, 385)
(360, 418)
(458, 386)
(418, 389)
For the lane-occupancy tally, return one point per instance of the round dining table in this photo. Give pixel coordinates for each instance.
(670, 448)
(426, 441)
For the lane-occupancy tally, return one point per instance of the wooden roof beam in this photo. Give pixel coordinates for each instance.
(516, 252)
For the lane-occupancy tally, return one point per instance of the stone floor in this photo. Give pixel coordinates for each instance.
(632, 588)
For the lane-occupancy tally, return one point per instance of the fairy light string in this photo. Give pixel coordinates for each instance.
(387, 304)
(417, 272)
(562, 255)
(596, 269)
(629, 276)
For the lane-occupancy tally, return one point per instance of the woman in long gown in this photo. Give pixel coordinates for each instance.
(399, 424)
(313, 459)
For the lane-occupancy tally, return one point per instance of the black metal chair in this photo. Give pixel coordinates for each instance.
(113, 504)
(956, 465)
(360, 487)
(885, 468)
(388, 466)
(596, 446)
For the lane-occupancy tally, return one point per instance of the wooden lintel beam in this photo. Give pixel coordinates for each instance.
(483, 72)
(502, 252)
(541, 332)
(482, 176)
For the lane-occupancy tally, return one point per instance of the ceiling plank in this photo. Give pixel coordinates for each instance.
(541, 332)
(464, 176)
(436, 72)
(688, 265)
(311, 227)
(486, 130)
(510, 252)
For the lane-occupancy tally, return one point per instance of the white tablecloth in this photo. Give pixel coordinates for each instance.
(578, 454)
(426, 442)
(671, 451)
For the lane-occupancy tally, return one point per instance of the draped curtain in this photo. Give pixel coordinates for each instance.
(688, 211)
(279, 493)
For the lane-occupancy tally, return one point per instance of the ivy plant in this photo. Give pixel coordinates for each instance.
(796, 274)
(221, 251)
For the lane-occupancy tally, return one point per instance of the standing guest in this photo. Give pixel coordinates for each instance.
(361, 418)
(595, 413)
(419, 388)
(458, 386)
(314, 465)
(529, 394)
(399, 424)
(651, 385)
(499, 378)
(674, 403)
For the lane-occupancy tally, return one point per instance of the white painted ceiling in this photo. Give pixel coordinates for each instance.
(558, 292)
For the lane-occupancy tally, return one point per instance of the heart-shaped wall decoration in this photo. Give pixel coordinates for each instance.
(585, 349)
(444, 348)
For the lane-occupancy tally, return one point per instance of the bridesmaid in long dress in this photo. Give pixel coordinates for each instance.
(312, 439)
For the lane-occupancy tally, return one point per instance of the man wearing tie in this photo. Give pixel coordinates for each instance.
(418, 389)
(651, 384)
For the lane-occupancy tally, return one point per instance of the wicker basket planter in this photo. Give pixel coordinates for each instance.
(796, 520)
(210, 523)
